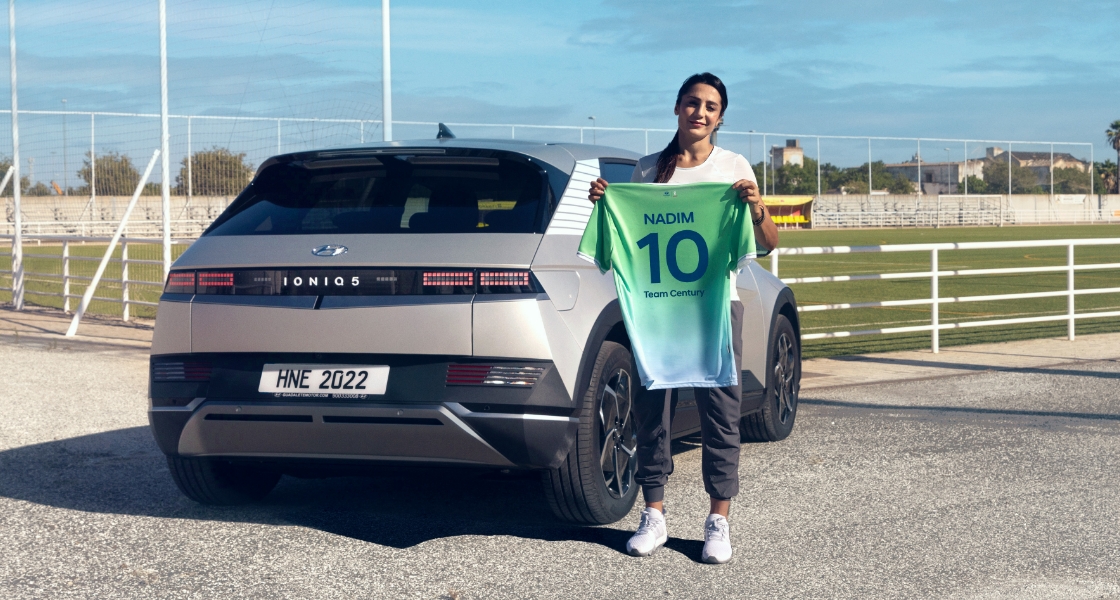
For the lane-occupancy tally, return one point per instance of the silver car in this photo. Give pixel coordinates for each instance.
(421, 303)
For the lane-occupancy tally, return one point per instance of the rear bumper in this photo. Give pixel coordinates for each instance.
(445, 433)
(420, 419)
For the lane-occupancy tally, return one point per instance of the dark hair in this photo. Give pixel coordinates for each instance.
(667, 162)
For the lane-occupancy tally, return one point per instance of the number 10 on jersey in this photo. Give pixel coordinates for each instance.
(654, 248)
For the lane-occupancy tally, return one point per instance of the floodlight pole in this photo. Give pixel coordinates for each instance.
(966, 168)
(65, 167)
(818, 167)
(1051, 172)
(17, 239)
(948, 174)
(869, 183)
(164, 140)
(386, 76)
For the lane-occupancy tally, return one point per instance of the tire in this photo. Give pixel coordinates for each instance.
(217, 482)
(595, 484)
(774, 421)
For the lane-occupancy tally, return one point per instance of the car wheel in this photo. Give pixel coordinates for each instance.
(774, 421)
(213, 481)
(595, 484)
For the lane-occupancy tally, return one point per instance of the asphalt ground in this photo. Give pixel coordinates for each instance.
(987, 485)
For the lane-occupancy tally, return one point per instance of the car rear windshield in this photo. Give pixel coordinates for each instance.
(390, 194)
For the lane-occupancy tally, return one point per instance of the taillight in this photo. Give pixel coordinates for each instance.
(448, 278)
(503, 278)
(507, 282)
(180, 283)
(180, 371)
(215, 282)
(493, 375)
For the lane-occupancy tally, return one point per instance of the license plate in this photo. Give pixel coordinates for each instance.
(323, 381)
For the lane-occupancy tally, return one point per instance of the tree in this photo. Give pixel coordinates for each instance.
(1071, 181)
(976, 185)
(796, 179)
(5, 163)
(1105, 173)
(1023, 180)
(214, 172)
(1113, 135)
(39, 189)
(116, 175)
(802, 179)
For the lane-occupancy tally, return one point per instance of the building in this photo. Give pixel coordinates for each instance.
(790, 154)
(1039, 162)
(937, 177)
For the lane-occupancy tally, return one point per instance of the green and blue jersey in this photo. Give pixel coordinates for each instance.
(672, 248)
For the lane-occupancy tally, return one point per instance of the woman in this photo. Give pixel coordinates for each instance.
(692, 158)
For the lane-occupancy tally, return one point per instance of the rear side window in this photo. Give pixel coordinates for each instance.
(389, 194)
(616, 172)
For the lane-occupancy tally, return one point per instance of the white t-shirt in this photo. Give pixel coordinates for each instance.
(721, 166)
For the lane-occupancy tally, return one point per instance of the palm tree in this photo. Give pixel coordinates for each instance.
(1113, 135)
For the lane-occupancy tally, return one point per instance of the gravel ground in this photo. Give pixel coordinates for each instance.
(992, 485)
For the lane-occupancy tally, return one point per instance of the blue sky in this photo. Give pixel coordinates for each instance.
(1027, 69)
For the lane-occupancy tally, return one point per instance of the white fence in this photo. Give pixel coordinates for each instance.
(934, 274)
(56, 271)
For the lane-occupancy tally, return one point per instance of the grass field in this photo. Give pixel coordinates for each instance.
(42, 262)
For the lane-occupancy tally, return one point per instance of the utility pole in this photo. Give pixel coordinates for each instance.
(164, 139)
(17, 239)
(386, 76)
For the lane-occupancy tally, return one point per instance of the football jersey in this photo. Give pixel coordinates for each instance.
(672, 248)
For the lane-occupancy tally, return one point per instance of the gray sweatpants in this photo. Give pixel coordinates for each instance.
(719, 431)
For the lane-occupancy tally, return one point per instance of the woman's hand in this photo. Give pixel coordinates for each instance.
(767, 230)
(598, 188)
(748, 192)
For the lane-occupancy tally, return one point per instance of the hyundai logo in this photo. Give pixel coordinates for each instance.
(329, 250)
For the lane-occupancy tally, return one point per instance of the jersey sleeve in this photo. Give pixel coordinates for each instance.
(595, 245)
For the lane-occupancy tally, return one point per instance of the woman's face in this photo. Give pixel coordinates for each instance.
(699, 111)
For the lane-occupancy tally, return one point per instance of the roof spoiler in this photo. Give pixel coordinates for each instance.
(444, 133)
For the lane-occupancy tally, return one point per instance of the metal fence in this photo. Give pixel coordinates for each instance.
(935, 275)
(216, 154)
(57, 270)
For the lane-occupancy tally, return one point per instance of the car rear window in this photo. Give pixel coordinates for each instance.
(389, 194)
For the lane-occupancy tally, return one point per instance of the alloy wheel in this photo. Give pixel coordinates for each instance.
(786, 385)
(619, 438)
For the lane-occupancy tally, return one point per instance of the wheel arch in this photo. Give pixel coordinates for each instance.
(608, 327)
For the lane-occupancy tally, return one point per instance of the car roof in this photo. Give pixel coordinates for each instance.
(559, 155)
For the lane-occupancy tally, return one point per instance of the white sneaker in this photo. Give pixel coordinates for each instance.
(717, 540)
(650, 535)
